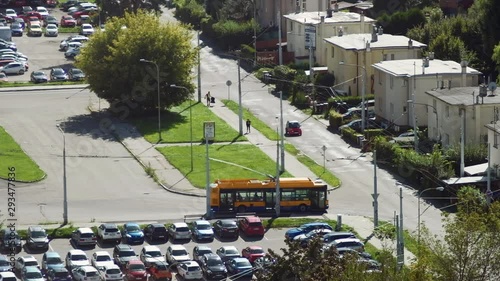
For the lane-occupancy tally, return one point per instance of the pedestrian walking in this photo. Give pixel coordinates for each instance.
(249, 123)
(208, 98)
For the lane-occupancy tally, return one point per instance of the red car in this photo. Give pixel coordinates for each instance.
(135, 270)
(51, 3)
(293, 128)
(252, 253)
(252, 226)
(68, 21)
(26, 16)
(88, 11)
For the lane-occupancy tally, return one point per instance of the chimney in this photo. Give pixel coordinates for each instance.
(374, 33)
(362, 22)
(463, 63)
(341, 31)
(410, 44)
(336, 7)
(449, 84)
(322, 19)
(442, 84)
(380, 31)
(368, 46)
(431, 55)
(423, 67)
(329, 13)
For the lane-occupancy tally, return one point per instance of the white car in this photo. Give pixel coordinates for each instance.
(71, 53)
(87, 29)
(12, 56)
(190, 270)
(7, 276)
(101, 258)
(51, 30)
(151, 254)
(86, 273)
(25, 261)
(64, 45)
(42, 11)
(106, 231)
(10, 13)
(76, 258)
(14, 68)
(111, 273)
(177, 253)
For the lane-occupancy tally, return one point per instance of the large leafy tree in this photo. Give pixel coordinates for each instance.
(111, 61)
(110, 8)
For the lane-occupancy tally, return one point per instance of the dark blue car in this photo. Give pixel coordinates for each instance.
(306, 228)
(132, 233)
(240, 267)
(58, 274)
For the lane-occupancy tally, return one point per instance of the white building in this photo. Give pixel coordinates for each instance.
(398, 82)
(494, 144)
(313, 27)
(458, 108)
(362, 50)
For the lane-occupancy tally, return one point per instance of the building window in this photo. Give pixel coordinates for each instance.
(291, 25)
(384, 57)
(380, 77)
(392, 56)
(405, 83)
(434, 103)
(495, 141)
(447, 111)
(333, 52)
(392, 82)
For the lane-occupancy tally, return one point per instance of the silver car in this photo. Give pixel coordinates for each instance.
(179, 230)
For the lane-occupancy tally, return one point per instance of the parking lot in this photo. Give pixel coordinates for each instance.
(273, 239)
(42, 52)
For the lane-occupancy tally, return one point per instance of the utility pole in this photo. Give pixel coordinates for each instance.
(488, 187)
(240, 112)
(199, 69)
(282, 134)
(311, 72)
(280, 50)
(277, 194)
(414, 114)
(65, 187)
(401, 229)
(462, 143)
(375, 192)
(255, 32)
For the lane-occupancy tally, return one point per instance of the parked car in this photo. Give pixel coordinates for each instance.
(76, 258)
(38, 77)
(86, 273)
(37, 237)
(135, 270)
(51, 3)
(11, 13)
(240, 266)
(34, 29)
(200, 250)
(83, 19)
(352, 243)
(122, 254)
(346, 251)
(16, 29)
(51, 260)
(5, 264)
(132, 233)
(156, 232)
(251, 226)
(226, 228)
(176, 254)
(179, 230)
(150, 254)
(63, 46)
(11, 241)
(68, 21)
(252, 253)
(213, 267)
(5, 78)
(86, 29)
(332, 236)
(228, 252)
(292, 128)
(51, 30)
(42, 11)
(263, 263)
(357, 113)
(58, 74)
(160, 271)
(25, 261)
(202, 230)
(110, 272)
(357, 124)
(72, 53)
(58, 274)
(106, 231)
(31, 273)
(68, 4)
(190, 270)
(7, 276)
(305, 228)
(83, 236)
(101, 259)
(304, 239)
(369, 104)
(51, 20)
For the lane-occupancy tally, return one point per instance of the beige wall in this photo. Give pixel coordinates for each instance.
(494, 149)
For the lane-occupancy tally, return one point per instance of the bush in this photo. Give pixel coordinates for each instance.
(350, 135)
(300, 101)
(473, 154)
(191, 12)
(370, 134)
(231, 34)
(334, 119)
(386, 151)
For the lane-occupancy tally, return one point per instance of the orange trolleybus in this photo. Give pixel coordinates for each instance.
(253, 195)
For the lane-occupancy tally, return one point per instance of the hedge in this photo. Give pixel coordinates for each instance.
(334, 119)
(350, 135)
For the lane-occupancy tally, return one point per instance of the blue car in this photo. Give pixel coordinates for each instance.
(132, 233)
(306, 228)
(240, 267)
(58, 274)
(51, 260)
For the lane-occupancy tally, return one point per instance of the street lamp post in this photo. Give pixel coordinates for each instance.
(439, 188)
(65, 189)
(435, 112)
(158, 82)
(363, 94)
(190, 120)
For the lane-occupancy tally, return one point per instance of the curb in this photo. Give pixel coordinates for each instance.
(43, 88)
(33, 181)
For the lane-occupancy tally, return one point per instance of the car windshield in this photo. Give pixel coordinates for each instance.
(38, 234)
(294, 125)
(35, 26)
(38, 73)
(133, 228)
(31, 263)
(256, 251)
(214, 262)
(255, 224)
(33, 275)
(203, 226)
(137, 267)
(68, 17)
(58, 71)
(194, 268)
(127, 254)
(161, 266)
(78, 71)
(54, 260)
(78, 257)
(154, 254)
(103, 258)
(311, 234)
(201, 252)
(231, 252)
(91, 273)
(113, 271)
(229, 224)
(61, 274)
(107, 229)
(87, 235)
(179, 252)
(51, 27)
(4, 263)
(182, 229)
(243, 264)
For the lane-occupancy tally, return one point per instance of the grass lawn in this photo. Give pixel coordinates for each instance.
(245, 155)
(260, 126)
(25, 84)
(11, 155)
(176, 125)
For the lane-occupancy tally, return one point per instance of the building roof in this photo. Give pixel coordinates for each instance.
(464, 96)
(337, 17)
(413, 67)
(358, 41)
(494, 127)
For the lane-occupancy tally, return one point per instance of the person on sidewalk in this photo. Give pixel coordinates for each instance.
(208, 98)
(249, 123)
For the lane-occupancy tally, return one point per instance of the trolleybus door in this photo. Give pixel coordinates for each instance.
(269, 199)
(226, 201)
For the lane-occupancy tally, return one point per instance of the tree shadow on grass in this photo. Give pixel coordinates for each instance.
(147, 125)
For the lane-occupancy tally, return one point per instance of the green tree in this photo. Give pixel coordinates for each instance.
(496, 59)
(111, 61)
(238, 10)
(111, 8)
(400, 22)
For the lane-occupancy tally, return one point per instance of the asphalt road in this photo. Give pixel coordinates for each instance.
(274, 239)
(354, 168)
(104, 182)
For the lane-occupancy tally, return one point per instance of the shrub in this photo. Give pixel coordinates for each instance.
(300, 101)
(370, 134)
(191, 12)
(350, 135)
(334, 119)
(386, 151)
(473, 154)
(231, 34)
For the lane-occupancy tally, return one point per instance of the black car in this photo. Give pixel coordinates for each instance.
(75, 74)
(38, 77)
(213, 267)
(68, 4)
(58, 74)
(122, 254)
(50, 20)
(226, 228)
(58, 274)
(156, 232)
(11, 241)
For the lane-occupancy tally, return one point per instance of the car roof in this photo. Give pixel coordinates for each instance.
(228, 221)
(135, 262)
(150, 248)
(77, 252)
(122, 247)
(85, 230)
(32, 269)
(59, 269)
(191, 263)
(255, 247)
(347, 240)
(88, 268)
(102, 253)
(203, 247)
(212, 256)
(180, 224)
(253, 219)
(52, 254)
(240, 259)
(131, 224)
(314, 224)
(108, 225)
(155, 225)
(28, 258)
(229, 247)
(4, 258)
(335, 233)
(110, 266)
(200, 222)
(6, 274)
(36, 228)
(177, 247)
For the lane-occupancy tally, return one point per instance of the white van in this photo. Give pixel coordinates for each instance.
(7, 276)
